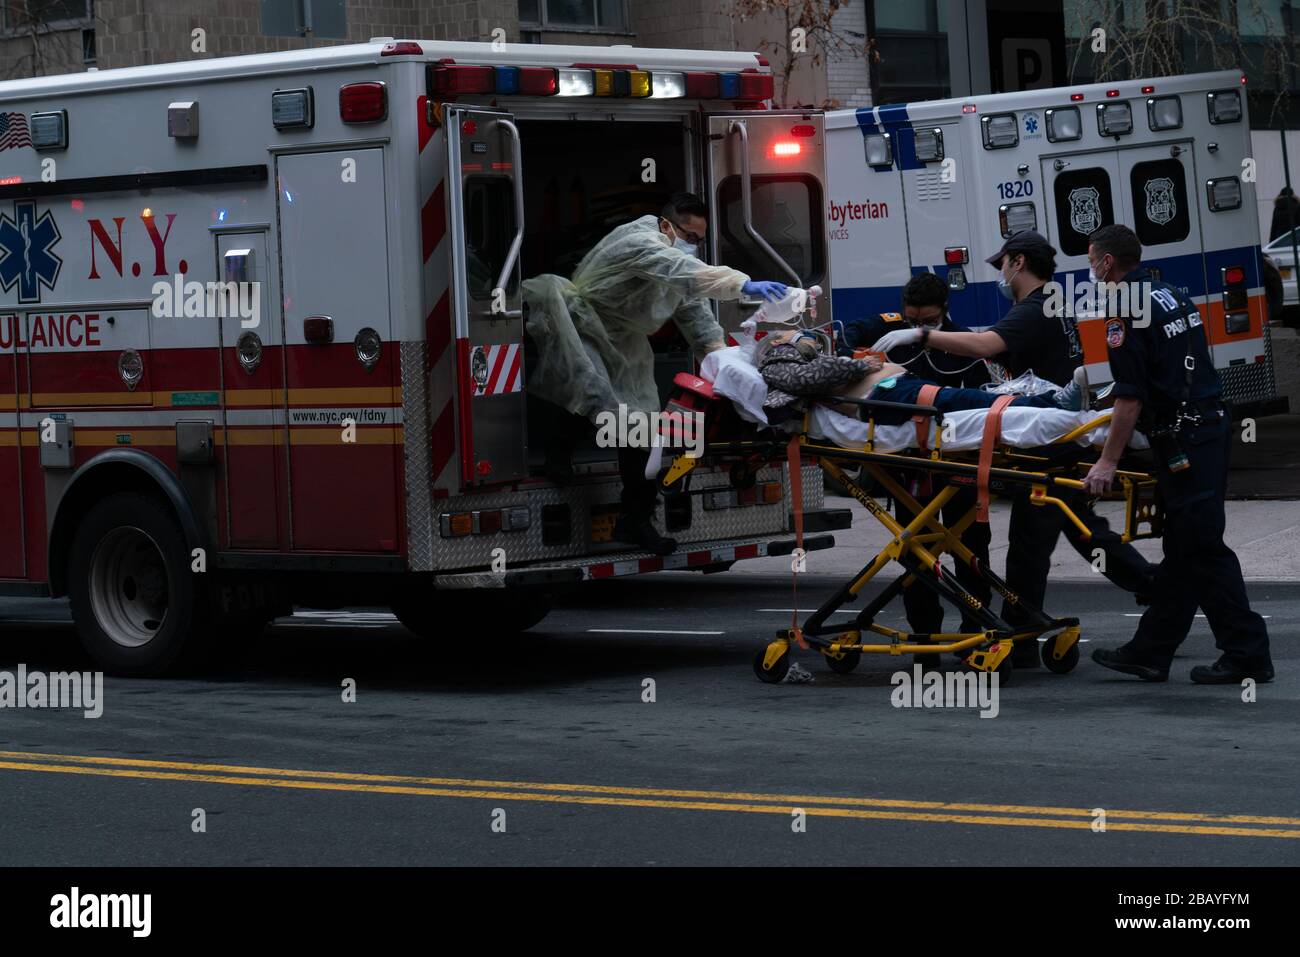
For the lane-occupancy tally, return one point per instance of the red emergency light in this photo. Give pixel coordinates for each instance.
(702, 86)
(1148, 89)
(785, 148)
(449, 80)
(803, 130)
(956, 255)
(1112, 93)
(539, 81)
(968, 108)
(362, 102)
(756, 86)
(1234, 275)
(1076, 97)
(402, 48)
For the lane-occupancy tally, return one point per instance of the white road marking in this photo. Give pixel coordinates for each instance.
(647, 631)
(1138, 614)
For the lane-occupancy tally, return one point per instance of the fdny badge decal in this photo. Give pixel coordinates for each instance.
(1115, 333)
(1161, 205)
(26, 251)
(1085, 209)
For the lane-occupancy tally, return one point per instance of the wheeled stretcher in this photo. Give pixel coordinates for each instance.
(891, 458)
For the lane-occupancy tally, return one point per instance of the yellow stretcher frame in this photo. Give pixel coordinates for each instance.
(919, 544)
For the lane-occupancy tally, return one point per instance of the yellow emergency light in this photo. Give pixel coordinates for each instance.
(640, 83)
(604, 82)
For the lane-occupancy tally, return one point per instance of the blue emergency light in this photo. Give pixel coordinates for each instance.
(728, 86)
(507, 80)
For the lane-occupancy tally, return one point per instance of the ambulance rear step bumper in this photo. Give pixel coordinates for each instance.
(692, 556)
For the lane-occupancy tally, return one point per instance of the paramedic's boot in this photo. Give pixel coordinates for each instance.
(1074, 396)
(635, 530)
(1231, 671)
(1124, 661)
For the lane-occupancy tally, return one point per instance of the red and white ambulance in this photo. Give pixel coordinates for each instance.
(351, 423)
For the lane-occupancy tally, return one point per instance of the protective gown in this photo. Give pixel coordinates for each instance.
(591, 331)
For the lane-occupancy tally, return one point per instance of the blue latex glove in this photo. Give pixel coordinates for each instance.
(771, 291)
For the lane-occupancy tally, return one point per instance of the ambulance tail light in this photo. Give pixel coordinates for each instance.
(487, 522)
(1224, 105)
(956, 255)
(576, 83)
(539, 81)
(449, 80)
(1016, 218)
(363, 102)
(1236, 300)
(1223, 193)
(803, 129)
(929, 145)
(456, 524)
(50, 130)
(703, 86)
(784, 149)
(667, 86)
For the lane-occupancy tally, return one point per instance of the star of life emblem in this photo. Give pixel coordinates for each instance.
(27, 258)
(1161, 205)
(1085, 209)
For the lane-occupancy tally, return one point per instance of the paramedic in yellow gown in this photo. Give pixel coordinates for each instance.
(593, 354)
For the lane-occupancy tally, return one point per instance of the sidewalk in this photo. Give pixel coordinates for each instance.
(1265, 535)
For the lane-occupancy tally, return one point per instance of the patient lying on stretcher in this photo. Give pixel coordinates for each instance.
(792, 365)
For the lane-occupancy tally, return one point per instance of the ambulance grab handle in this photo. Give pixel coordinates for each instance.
(746, 205)
(512, 255)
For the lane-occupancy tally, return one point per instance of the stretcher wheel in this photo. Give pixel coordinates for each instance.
(844, 664)
(1065, 664)
(780, 668)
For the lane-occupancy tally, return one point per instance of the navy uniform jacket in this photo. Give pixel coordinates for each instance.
(1147, 359)
(941, 368)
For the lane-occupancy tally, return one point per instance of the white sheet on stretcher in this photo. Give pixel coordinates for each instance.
(739, 381)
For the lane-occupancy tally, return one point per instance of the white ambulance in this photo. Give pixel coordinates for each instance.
(356, 428)
(938, 186)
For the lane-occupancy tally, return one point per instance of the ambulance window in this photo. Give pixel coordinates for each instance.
(787, 213)
(1083, 204)
(1160, 202)
(489, 231)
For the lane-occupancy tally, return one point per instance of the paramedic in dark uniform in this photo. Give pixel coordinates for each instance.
(1166, 386)
(925, 305)
(1030, 338)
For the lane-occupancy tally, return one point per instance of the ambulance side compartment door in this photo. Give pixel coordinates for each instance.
(485, 219)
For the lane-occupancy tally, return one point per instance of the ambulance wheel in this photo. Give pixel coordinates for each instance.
(845, 664)
(780, 668)
(138, 608)
(1065, 664)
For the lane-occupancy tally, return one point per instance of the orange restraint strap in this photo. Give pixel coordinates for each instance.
(921, 486)
(992, 433)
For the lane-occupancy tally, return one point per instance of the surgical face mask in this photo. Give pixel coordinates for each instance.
(1004, 285)
(691, 249)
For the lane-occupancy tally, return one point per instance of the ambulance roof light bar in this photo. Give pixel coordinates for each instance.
(448, 79)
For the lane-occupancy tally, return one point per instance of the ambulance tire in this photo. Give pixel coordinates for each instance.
(138, 608)
(446, 616)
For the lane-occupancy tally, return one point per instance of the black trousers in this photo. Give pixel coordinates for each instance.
(1199, 570)
(924, 608)
(1032, 537)
(639, 493)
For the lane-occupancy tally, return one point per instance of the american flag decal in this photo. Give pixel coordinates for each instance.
(13, 131)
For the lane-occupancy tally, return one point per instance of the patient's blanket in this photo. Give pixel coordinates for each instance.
(737, 379)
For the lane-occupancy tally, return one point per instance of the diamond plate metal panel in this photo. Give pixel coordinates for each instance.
(420, 523)
(1250, 381)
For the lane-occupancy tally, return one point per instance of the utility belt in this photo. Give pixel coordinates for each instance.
(1166, 434)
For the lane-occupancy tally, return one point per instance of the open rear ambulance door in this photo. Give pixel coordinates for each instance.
(485, 212)
(767, 196)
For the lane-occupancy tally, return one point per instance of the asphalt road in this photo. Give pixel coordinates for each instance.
(552, 730)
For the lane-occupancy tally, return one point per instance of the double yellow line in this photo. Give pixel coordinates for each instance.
(744, 802)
